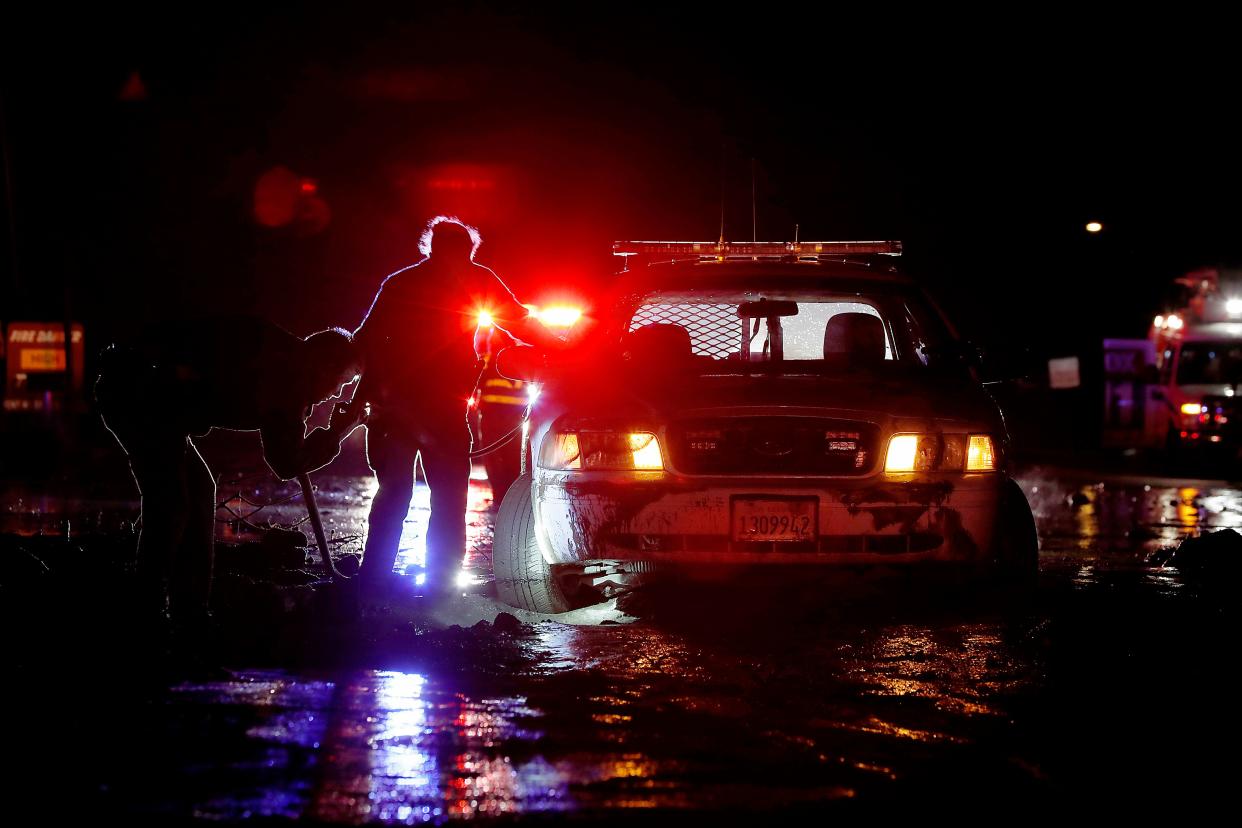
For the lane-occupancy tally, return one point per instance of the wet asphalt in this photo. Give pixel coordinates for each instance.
(1109, 686)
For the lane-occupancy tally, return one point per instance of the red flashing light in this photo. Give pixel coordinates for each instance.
(709, 251)
(557, 316)
(309, 186)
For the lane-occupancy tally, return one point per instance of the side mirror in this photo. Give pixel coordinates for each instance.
(1007, 363)
(522, 363)
(957, 351)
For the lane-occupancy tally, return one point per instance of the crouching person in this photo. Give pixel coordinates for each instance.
(173, 383)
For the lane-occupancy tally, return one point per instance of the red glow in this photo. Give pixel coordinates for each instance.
(134, 89)
(558, 316)
(282, 199)
(275, 197)
(460, 184)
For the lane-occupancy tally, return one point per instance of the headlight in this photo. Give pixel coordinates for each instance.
(912, 452)
(936, 452)
(567, 450)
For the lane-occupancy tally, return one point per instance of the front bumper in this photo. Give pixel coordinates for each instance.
(686, 521)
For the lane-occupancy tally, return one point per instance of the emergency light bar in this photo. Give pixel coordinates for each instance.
(709, 251)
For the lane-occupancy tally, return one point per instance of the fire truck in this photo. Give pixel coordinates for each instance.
(1177, 389)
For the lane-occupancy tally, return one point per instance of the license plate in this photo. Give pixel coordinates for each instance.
(771, 519)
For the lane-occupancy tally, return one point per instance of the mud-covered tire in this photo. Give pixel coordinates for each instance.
(523, 578)
(1015, 549)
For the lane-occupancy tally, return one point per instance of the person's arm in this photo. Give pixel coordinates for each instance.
(531, 331)
(512, 317)
(289, 451)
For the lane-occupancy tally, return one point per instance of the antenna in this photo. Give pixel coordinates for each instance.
(722, 193)
(754, 213)
(795, 234)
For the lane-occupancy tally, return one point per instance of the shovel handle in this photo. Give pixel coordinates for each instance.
(312, 509)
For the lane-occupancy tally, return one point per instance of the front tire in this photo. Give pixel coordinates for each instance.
(1015, 549)
(523, 578)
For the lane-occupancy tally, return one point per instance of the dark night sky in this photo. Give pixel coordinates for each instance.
(984, 143)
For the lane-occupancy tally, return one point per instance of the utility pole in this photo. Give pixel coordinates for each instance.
(9, 206)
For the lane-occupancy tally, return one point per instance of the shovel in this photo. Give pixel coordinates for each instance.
(312, 509)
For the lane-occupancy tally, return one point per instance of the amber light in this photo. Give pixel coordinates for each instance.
(939, 452)
(646, 451)
(901, 451)
(1192, 409)
(567, 451)
(561, 451)
(914, 453)
(980, 455)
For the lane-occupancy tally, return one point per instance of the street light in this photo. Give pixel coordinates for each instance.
(1094, 227)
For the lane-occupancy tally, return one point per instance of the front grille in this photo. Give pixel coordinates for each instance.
(773, 445)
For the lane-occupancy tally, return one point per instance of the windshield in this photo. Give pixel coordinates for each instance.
(1204, 363)
(807, 330)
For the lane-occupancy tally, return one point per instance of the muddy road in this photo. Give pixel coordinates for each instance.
(1108, 684)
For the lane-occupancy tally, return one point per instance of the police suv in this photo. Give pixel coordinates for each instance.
(756, 406)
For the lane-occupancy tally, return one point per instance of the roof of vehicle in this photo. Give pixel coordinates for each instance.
(846, 273)
(1211, 332)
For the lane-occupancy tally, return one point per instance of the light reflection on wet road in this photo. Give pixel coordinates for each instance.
(865, 695)
(343, 503)
(375, 746)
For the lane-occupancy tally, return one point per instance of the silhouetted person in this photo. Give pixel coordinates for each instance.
(418, 343)
(501, 407)
(178, 381)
